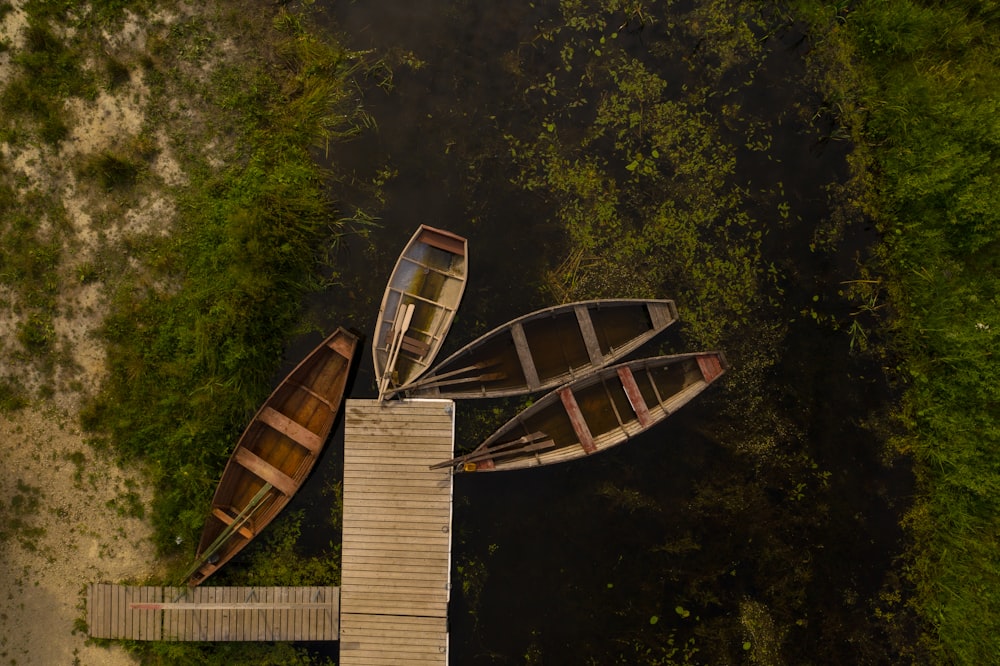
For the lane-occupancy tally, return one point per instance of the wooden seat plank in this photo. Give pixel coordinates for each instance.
(634, 396)
(244, 531)
(662, 314)
(343, 345)
(265, 471)
(294, 431)
(415, 346)
(306, 389)
(710, 366)
(576, 419)
(525, 357)
(589, 335)
(452, 244)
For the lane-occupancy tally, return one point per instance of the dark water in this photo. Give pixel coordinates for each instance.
(681, 539)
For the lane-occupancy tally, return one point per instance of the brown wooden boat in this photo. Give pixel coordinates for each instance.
(595, 413)
(546, 349)
(418, 307)
(275, 453)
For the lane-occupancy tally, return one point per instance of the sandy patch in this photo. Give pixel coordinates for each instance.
(69, 517)
(166, 165)
(108, 120)
(131, 35)
(10, 31)
(76, 520)
(27, 162)
(70, 537)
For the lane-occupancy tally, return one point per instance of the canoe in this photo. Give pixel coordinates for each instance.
(275, 453)
(418, 307)
(546, 349)
(594, 413)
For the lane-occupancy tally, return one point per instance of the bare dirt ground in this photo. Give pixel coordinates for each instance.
(68, 516)
(78, 533)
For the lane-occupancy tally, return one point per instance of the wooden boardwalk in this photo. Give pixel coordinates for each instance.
(392, 606)
(396, 552)
(213, 613)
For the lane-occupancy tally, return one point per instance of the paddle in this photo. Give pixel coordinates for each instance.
(238, 522)
(482, 452)
(396, 335)
(402, 324)
(487, 377)
(437, 381)
(420, 383)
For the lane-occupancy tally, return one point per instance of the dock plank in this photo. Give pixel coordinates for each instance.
(214, 613)
(396, 551)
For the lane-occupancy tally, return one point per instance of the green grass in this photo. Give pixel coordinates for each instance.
(113, 172)
(199, 316)
(18, 516)
(192, 357)
(30, 255)
(48, 70)
(917, 82)
(12, 395)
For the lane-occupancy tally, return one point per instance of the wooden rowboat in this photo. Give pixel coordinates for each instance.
(546, 349)
(418, 307)
(275, 453)
(595, 413)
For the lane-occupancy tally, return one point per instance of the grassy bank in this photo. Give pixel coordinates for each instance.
(194, 340)
(158, 166)
(917, 82)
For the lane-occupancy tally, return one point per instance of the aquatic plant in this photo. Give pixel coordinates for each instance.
(649, 145)
(647, 191)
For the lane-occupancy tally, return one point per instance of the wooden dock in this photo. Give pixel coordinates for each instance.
(213, 613)
(392, 606)
(396, 552)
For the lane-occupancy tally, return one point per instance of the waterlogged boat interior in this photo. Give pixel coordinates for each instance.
(595, 413)
(547, 348)
(419, 304)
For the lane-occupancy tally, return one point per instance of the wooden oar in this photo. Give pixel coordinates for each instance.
(421, 383)
(383, 380)
(481, 452)
(487, 377)
(404, 327)
(401, 327)
(238, 522)
(496, 452)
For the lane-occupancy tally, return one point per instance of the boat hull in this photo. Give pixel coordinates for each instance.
(595, 413)
(276, 452)
(547, 348)
(430, 275)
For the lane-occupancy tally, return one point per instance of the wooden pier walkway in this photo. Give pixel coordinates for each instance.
(213, 613)
(392, 606)
(396, 552)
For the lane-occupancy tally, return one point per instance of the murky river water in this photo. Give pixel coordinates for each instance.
(683, 539)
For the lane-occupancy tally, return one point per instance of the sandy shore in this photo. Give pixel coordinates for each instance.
(68, 516)
(79, 532)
